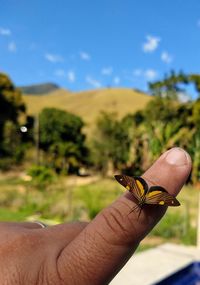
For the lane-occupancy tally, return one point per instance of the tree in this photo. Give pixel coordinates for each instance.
(12, 108)
(170, 86)
(195, 144)
(111, 144)
(62, 139)
(162, 124)
(11, 102)
(195, 78)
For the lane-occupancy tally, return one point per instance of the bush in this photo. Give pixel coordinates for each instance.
(171, 226)
(41, 175)
(93, 197)
(190, 237)
(176, 226)
(6, 164)
(92, 200)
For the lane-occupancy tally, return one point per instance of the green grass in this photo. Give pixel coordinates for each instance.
(58, 200)
(8, 215)
(66, 200)
(143, 247)
(94, 197)
(179, 224)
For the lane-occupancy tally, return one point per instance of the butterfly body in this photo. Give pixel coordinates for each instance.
(155, 195)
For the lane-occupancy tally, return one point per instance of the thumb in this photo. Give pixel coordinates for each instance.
(104, 246)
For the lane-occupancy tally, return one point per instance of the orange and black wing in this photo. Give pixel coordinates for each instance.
(137, 186)
(158, 195)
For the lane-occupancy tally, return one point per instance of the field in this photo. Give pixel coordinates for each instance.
(75, 198)
(89, 104)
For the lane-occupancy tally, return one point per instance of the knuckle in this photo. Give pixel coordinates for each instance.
(120, 225)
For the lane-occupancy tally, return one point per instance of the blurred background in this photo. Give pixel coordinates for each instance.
(89, 89)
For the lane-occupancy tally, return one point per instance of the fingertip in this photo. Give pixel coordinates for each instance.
(171, 170)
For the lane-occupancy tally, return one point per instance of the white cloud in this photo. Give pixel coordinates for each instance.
(54, 58)
(150, 74)
(12, 47)
(116, 80)
(137, 72)
(60, 73)
(107, 70)
(166, 57)
(93, 82)
(5, 32)
(84, 55)
(151, 43)
(71, 76)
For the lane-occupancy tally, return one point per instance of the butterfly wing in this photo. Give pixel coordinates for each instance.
(137, 186)
(158, 195)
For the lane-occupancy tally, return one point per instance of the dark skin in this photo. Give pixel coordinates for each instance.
(87, 253)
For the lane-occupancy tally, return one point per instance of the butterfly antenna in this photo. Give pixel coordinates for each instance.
(133, 209)
(140, 212)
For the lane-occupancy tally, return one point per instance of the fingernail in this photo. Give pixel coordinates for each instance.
(177, 156)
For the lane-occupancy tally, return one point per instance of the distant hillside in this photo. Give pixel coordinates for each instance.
(39, 89)
(89, 104)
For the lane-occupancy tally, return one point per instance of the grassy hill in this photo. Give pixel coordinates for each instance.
(89, 104)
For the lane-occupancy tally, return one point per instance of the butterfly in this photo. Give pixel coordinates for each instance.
(155, 195)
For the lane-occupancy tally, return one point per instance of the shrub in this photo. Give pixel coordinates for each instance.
(177, 226)
(41, 175)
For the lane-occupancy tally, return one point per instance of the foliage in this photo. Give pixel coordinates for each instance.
(133, 143)
(173, 84)
(41, 175)
(185, 122)
(61, 138)
(12, 113)
(95, 196)
(111, 143)
(163, 124)
(166, 121)
(57, 125)
(21, 201)
(7, 215)
(195, 78)
(176, 226)
(12, 146)
(11, 102)
(93, 201)
(170, 226)
(128, 144)
(6, 163)
(170, 86)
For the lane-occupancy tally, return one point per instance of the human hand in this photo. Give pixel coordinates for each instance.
(87, 254)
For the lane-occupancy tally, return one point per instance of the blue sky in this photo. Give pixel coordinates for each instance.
(86, 44)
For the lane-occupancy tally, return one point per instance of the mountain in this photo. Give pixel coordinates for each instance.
(39, 89)
(89, 104)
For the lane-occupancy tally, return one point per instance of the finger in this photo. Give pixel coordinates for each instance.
(108, 241)
(58, 234)
(64, 233)
(26, 225)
